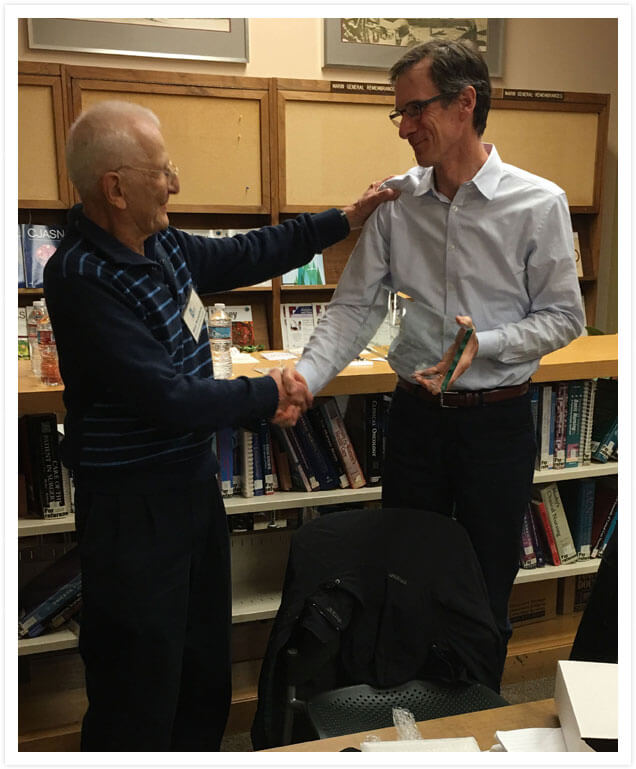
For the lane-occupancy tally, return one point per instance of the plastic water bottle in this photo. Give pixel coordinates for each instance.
(220, 333)
(50, 367)
(33, 316)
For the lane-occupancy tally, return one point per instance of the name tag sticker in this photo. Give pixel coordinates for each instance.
(194, 315)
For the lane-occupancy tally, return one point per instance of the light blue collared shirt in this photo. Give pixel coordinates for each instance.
(501, 251)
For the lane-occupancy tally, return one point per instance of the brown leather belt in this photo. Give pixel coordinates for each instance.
(464, 398)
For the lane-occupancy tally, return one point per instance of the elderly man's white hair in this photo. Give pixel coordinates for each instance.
(102, 139)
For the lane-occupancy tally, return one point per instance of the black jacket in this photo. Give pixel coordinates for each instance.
(380, 597)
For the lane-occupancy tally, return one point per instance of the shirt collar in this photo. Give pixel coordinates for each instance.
(486, 180)
(107, 243)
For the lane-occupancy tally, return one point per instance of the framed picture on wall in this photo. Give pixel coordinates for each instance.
(378, 43)
(206, 39)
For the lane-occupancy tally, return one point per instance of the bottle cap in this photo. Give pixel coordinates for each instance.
(220, 305)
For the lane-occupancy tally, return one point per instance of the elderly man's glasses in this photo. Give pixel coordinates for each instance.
(414, 109)
(170, 171)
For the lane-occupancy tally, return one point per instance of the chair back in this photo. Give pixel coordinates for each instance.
(362, 708)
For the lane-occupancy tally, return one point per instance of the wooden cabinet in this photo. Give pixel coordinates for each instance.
(42, 179)
(216, 131)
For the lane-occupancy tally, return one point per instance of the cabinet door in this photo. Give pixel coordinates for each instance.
(332, 146)
(42, 180)
(217, 137)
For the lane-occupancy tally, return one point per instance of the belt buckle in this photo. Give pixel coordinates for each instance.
(445, 405)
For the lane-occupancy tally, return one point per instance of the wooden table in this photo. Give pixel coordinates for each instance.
(481, 725)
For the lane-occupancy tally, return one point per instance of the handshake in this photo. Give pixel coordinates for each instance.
(294, 397)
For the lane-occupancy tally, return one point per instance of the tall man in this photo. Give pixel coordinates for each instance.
(123, 294)
(471, 238)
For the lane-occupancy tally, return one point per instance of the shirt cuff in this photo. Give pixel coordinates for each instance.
(312, 377)
(489, 343)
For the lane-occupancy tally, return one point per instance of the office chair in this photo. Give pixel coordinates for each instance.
(362, 708)
(376, 597)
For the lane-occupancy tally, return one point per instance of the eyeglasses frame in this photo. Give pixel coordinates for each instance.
(170, 171)
(418, 106)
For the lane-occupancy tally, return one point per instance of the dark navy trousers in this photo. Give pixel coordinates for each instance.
(475, 464)
(156, 621)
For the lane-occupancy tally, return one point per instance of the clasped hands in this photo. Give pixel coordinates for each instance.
(431, 378)
(294, 397)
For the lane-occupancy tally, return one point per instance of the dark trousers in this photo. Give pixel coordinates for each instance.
(475, 464)
(156, 620)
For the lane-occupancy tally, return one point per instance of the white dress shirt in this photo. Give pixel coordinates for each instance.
(501, 251)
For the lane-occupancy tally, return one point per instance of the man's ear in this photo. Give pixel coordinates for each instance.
(113, 193)
(467, 101)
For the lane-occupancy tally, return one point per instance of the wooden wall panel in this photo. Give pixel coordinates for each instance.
(215, 142)
(560, 146)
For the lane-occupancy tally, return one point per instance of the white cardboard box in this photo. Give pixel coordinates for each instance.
(586, 695)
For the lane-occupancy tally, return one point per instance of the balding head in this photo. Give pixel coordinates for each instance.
(103, 138)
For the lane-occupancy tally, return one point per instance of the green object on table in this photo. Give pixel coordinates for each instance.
(455, 361)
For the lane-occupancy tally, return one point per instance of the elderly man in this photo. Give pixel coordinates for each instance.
(141, 409)
(470, 239)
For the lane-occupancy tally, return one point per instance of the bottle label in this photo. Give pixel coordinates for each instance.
(220, 332)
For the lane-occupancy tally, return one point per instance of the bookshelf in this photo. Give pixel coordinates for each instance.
(256, 597)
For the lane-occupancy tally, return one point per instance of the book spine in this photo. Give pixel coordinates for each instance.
(302, 458)
(575, 401)
(588, 414)
(224, 453)
(66, 613)
(547, 428)
(374, 438)
(299, 480)
(338, 431)
(34, 623)
(604, 529)
(266, 456)
(317, 460)
(560, 419)
(325, 439)
(608, 535)
(562, 536)
(527, 554)
(259, 482)
(236, 461)
(544, 520)
(47, 484)
(247, 463)
(607, 444)
(536, 539)
(535, 394)
(282, 463)
(582, 529)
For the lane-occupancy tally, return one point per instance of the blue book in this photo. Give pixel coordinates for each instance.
(257, 460)
(21, 276)
(266, 456)
(318, 462)
(573, 455)
(578, 500)
(535, 395)
(35, 622)
(224, 453)
(236, 460)
(39, 243)
(608, 534)
(607, 444)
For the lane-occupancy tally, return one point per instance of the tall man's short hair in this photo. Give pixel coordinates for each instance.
(454, 66)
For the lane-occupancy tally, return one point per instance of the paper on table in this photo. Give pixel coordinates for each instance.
(243, 357)
(537, 740)
(278, 355)
(444, 745)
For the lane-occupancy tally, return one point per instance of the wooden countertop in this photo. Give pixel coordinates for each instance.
(584, 358)
(481, 725)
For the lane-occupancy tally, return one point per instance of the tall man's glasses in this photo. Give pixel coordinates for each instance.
(170, 171)
(414, 109)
